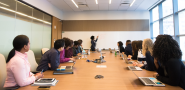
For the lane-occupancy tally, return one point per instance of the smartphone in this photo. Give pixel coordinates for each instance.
(44, 88)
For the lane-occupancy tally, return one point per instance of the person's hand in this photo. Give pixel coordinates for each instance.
(39, 75)
(97, 36)
(155, 75)
(129, 56)
(155, 61)
(72, 59)
(49, 65)
(79, 54)
(135, 63)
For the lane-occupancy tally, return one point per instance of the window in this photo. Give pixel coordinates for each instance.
(181, 4)
(182, 46)
(167, 7)
(182, 22)
(155, 13)
(168, 27)
(155, 29)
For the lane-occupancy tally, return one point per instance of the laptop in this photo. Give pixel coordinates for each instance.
(126, 59)
(150, 81)
(110, 50)
(66, 70)
(134, 68)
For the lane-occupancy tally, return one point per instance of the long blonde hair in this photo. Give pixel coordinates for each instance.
(147, 46)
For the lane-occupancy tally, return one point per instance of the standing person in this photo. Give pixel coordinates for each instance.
(121, 48)
(62, 53)
(128, 48)
(93, 43)
(51, 59)
(147, 50)
(18, 67)
(167, 59)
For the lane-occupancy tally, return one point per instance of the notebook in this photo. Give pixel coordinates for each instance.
(45, 82)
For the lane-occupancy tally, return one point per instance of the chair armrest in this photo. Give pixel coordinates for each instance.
(11, 88)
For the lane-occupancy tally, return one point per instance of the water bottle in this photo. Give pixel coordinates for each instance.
(115, 54)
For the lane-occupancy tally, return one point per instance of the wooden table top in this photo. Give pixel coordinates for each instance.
(116, 76)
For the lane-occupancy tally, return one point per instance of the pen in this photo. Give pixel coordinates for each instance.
(42, 71)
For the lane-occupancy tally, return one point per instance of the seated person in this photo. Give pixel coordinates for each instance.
(80, 47)
(128, 48)
(69, 52)
(167, 59)
(62, 53)
(76, 51)
(147, 51)
(136, 46)
(51, 59)
(121, 48)
(18, 67)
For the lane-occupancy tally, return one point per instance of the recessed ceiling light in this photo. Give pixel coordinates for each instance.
(132, 3)
(96, 1)
(74, 3)
(110, 1)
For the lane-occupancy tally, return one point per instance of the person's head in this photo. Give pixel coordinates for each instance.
(165, 48)
(68, 43)
(120, 44)
(21, 43)
(72, 43)
(76, 44)
(80, 42)
(128, 42)
(59, 44)
(92, 37)
(147, 46)
(134, 47)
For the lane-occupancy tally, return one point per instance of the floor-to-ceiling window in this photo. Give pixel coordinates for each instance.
(168, 17)
(17, 18)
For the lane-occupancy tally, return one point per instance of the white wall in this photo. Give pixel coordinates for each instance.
(106, 15)
(46, 6)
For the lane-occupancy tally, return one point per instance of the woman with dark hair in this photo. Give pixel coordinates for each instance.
(68, 43)
(69, 52)
(18, 67)
(121, 48)
(136, 45)
(167, 59)
(93, 43)
(80, 47)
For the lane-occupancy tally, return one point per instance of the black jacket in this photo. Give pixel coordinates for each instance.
(121, 49)
(175, 70)
(150, 62)
(128, 50)
(134, 57)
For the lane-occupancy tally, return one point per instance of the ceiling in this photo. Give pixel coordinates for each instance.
(116, 5)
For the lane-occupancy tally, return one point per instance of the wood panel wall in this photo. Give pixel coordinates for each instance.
(106, 25)
(56, 30)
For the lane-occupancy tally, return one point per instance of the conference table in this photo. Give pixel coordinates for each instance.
(116, 76)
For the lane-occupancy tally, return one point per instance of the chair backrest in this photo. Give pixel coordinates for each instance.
(44, 50)
(32, 61)
(2, 71)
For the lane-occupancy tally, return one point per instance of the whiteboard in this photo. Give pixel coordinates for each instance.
(107, 39)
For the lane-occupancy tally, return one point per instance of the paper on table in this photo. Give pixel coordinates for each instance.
(70, 61)
(101, 66)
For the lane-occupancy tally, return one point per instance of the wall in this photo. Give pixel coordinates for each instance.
(44, 5)
(107, 39)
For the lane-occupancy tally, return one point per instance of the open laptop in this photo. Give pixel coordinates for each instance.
(68, 70)
(62, 68)
(110, 50)
(126, 59)
(134, 68)
(150, 81)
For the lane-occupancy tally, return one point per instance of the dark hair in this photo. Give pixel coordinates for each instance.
(80, 42)
(139, 44)
(128, 42)
(134, 47)
(18, 43)
(59, 43)
(120, 43)
(76, 43)
(165, 48)
(68, 42)
(92, 37)
(71, 43)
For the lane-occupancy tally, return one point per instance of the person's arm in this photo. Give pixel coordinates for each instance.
(54, 60)
(74, 52)
(62, 57)
(174, 73)
(96, 39)
(20, 73)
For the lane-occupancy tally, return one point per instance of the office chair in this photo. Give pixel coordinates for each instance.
(32, 61)
(43, 50)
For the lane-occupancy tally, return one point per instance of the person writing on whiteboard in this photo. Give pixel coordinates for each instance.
(18, 67)
(93, 43)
